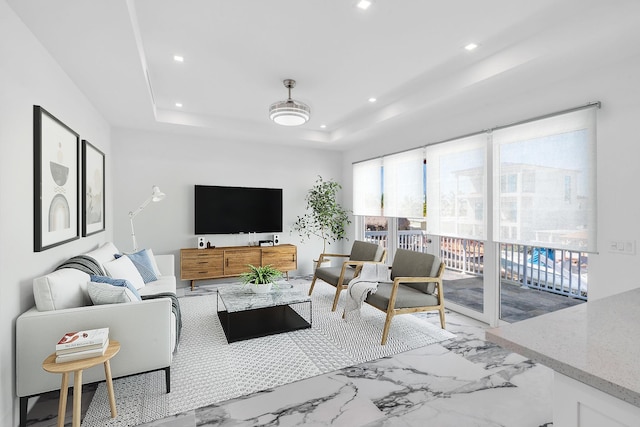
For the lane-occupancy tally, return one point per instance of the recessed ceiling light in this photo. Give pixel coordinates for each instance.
(372, 100)
(323, 126)
(179, 104)
(364, 4)
(178, 58)
(471, 46)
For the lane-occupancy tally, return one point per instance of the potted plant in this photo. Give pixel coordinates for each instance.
(261, 279)
(325, 217)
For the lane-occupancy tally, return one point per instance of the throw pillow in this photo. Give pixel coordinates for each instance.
(104, 293)
(104, 253)
(123, 268)
(116, 282)
(143, 264)
(154, 264)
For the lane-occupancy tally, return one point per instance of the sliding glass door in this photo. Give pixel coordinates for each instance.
(511, 211)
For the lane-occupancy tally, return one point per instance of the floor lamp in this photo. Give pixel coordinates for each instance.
(156, 196)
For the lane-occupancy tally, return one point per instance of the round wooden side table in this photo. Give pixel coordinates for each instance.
(77, 366)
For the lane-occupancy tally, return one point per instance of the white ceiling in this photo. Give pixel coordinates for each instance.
(409, 54)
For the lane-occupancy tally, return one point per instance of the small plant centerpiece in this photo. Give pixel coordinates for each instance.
(325, 217)
(260, 279)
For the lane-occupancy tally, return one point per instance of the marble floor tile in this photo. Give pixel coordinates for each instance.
(464, 381)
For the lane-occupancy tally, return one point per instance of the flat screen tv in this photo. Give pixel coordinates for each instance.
(228, 210)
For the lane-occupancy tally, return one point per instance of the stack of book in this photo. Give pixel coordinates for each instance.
(82, 344)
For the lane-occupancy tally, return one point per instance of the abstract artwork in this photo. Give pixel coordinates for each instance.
(93, 189)
(55, 180)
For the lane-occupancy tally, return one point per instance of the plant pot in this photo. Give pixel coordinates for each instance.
(261, 288)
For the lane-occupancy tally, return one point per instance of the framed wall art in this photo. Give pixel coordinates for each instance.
(55, 181)
(92, 189)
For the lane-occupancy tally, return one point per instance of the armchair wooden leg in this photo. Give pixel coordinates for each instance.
(313, 283)
(387, 325)
(336, 298)
(442, 317)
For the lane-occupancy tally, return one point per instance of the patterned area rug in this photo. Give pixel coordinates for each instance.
(206, 369)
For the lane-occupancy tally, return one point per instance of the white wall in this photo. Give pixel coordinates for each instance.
(29, 76)
(616, 86)
(177, 162)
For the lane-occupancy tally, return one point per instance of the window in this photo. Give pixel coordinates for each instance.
(543, 184)
(457, 187)
(556, 157)
(509, 183)
(404, 184)
(367, 188)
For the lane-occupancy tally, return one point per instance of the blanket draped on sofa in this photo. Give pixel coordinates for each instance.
(175, 307)
(83, 263)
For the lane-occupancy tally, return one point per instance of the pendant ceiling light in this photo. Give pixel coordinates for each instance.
(289, 112)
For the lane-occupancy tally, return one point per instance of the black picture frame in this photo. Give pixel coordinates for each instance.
(55, 181)
(93, 190)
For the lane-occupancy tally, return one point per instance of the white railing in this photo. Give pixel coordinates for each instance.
(557, 271)
(413, 240)
(551, 270)
(463, 255)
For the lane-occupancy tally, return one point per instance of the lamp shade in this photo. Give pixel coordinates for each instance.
(156, 194)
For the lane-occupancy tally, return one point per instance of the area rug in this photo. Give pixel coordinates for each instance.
(206, 369)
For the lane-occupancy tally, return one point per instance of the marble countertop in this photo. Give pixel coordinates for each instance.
(597, 343)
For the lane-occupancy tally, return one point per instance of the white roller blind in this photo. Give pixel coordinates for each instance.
(367, 188)
(545, 182)
(457, 188)
(404, 187)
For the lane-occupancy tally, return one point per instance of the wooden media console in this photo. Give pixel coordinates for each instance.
(216, 263)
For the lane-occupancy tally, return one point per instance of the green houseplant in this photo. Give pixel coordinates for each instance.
(261, 279)
(325, 217)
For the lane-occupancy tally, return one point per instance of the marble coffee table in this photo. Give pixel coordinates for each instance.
(245, 314)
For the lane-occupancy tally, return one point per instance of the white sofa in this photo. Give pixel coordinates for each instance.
(145, 329)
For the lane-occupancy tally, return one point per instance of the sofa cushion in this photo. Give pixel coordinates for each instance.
(104, 293)
(405, 298)
(365, 251)
(416, 264)
(162, 285)
(123, 268)
(115, 282)
(65, 288)
(104, 253)
(142, 262)
(331, 275)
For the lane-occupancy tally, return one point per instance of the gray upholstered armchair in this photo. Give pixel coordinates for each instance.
(339, 276)
(416, 286)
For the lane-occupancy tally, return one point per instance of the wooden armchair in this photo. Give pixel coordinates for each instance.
(341, 276)
(416, 286)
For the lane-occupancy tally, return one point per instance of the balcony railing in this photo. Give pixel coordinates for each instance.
(552, 270)
(413, 240)
(558, 271)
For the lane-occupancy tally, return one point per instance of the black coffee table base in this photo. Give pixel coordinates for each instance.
(244, 325)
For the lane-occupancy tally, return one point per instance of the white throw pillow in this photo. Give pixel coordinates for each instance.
(104, 293)
(104, 253)
(123, 268)
(64, 288)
